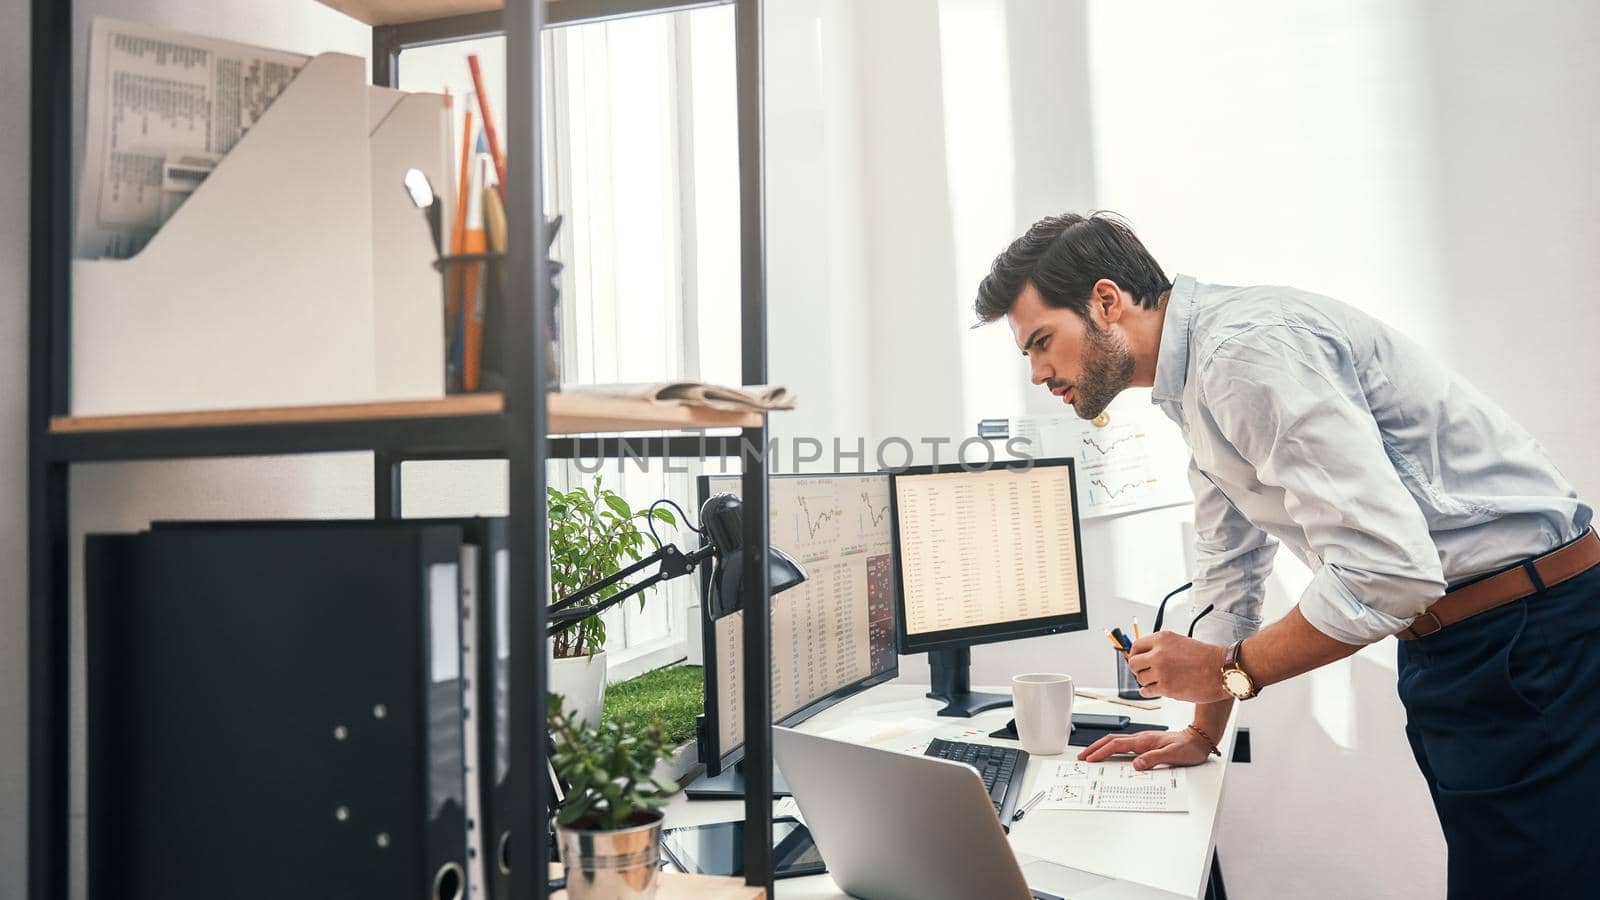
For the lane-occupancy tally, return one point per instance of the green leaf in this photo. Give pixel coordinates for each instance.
(575, 809)
(665, 515)
(618, 505)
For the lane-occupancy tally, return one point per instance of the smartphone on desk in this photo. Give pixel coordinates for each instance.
(719, 849)
(1096, 720)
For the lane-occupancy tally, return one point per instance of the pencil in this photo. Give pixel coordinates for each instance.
(488, 124)
(1114, 642)
(1136, 628)
(458, 233)
(476, 241)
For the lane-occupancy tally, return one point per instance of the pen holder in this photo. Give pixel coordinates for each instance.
(474, 323)
(1127, 685)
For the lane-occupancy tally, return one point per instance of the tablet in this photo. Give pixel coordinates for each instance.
(719, 849)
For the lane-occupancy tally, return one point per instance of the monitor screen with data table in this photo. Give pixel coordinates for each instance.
(833, 634)
(986, 555)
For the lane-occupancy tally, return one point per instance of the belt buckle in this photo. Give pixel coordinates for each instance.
(1437, 625)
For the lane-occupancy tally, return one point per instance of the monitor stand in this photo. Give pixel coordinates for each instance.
(729, 784)
(951, 681)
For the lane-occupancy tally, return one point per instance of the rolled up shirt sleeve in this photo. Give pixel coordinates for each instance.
(1232, 561)
(1290, 403)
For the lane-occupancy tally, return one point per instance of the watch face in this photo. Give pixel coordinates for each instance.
(1237, 682)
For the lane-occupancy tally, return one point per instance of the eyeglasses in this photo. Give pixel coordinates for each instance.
(1161, 610)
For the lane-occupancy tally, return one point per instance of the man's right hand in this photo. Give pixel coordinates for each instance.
(1151, 748)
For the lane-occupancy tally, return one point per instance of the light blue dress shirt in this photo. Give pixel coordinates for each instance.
(1315, 425)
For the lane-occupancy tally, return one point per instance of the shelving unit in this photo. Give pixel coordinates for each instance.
(526, 425)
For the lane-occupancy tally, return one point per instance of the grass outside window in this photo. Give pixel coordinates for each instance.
(675, 695)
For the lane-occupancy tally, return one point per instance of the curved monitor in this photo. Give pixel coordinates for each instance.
(986, 555)
(833, 635)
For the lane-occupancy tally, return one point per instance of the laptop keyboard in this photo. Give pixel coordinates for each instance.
(1000, 768)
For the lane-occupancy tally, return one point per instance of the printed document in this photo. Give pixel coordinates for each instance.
(164, 107)
(1113, 785)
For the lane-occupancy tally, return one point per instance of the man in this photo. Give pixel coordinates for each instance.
(1424, 511)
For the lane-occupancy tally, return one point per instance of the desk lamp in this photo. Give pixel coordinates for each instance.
(722, 524)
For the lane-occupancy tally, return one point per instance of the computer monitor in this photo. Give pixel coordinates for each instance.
(983, 555)
(832, 635)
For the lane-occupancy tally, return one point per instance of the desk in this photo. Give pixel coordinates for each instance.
(1167, 851)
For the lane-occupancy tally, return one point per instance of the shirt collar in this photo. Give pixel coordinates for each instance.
(1172, 359)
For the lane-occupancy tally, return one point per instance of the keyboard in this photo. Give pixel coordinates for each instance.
(1000, 767)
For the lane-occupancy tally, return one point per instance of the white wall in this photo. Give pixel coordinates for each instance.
(817, 298)
(1430, 162)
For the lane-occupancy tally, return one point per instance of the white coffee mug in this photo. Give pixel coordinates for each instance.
(1043, 706)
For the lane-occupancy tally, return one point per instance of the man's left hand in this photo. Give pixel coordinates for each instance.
(1170, 665)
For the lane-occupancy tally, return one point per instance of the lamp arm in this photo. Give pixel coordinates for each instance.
(566, 618)
(571, 599)
(673, 563)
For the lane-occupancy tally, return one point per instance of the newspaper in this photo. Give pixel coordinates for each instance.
(163, 109)
(750, 398)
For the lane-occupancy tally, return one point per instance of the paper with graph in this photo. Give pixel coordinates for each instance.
(164, 107)
(1113, 785)
(1131, 458)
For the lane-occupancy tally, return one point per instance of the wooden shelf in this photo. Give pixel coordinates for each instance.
(401, 12)
(588, 414)
(569, 414)
(675, 886)
(557, 12)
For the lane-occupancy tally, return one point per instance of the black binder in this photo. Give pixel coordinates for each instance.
(492, 682)
(487, 710)
(275, 710)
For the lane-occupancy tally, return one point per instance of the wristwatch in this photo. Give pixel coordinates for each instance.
(1235, 680)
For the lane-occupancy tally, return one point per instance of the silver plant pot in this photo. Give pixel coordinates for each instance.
(612, 865)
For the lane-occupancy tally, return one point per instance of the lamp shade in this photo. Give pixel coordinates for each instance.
(783, 572)
(723, 518)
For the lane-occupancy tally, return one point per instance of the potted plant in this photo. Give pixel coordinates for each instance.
(609, 829)
(593, 534)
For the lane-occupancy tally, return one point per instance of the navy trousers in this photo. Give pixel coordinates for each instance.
(1503, 715)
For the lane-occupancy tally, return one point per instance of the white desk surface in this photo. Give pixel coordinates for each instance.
(1168, 851)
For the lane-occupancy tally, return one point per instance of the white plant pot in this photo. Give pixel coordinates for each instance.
(581, 682)
(696, 652)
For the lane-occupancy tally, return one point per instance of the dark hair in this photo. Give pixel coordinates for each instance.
(1063, 256)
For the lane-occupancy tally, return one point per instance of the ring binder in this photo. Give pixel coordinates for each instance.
(272, 706)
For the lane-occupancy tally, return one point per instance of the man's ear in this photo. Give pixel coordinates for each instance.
(1107, 298)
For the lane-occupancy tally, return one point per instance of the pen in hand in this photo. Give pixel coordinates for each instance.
(1027, 806)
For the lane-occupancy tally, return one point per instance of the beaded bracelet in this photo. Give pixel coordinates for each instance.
(1198, 732)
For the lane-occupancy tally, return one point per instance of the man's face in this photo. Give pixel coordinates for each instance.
(1085, 363)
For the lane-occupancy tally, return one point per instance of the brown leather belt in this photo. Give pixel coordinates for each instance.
(1527, 579)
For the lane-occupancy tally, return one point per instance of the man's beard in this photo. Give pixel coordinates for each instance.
(1107, 370)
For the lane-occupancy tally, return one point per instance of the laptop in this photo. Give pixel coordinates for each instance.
(892, 826)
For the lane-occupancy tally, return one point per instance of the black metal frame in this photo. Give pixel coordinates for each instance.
(519, 434)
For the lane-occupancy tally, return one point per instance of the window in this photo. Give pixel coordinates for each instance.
(641, 163)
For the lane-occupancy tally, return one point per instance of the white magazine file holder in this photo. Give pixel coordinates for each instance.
(260, 289)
